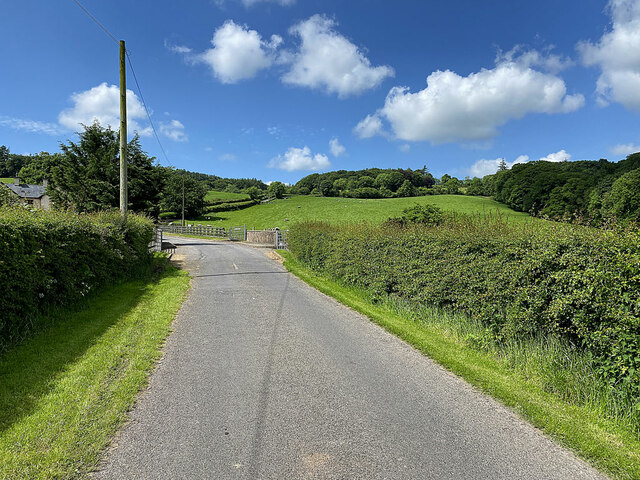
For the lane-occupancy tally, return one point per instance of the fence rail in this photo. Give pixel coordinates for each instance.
(199, 230)
(238, 234)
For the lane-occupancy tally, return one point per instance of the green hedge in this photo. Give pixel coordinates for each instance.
(53, 259)
(228, 206)
(576, 282)
(220, 201)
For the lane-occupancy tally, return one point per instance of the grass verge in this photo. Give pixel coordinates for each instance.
(64, 393)
(607, 443)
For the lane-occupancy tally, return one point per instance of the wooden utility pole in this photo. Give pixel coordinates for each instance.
(123, 130)
(183, 224)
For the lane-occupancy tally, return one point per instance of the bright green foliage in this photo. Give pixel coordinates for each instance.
(560, 190)
(362, 183)
(214, 196)
(419, 214)
(517, 280)
(254, 193)
(623, 200)
(348, 210)
(406, 190)
(194, 193)
(276, 189)
(53, 258)
(86, 176)
(66, 391)
(229, 206)
(7, 197)
(40, 167)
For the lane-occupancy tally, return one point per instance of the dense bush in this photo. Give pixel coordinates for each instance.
(576, 282)
(52, 259)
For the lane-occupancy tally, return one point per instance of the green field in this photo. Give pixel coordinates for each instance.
(215, 195)
(336, 210)
(6, 180)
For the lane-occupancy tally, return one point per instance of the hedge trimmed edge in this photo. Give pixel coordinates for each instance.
(51, 259)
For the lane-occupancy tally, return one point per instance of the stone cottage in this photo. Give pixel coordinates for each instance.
(32, 195)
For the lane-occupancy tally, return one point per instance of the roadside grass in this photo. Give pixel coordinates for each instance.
(6, 180)
(351, 210)
(546, 381)
(64, 393)
(216, 195)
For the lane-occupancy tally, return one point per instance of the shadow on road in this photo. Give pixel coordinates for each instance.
(238, 273)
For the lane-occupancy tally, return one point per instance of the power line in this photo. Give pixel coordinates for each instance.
(144, 104)
(104, 29)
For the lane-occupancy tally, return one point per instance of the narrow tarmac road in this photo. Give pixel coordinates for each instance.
(266, 378)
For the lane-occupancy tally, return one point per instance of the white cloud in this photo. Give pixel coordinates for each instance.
(238, 53)
(177, 48)
(546, 61)
(455, 108)
(31, 126)
(336, 148)
(102, 103)
(618, 55)
(560, 156)
(227, 157)
(488, 167)
(300, 159)
(251, 3)
(174, 130)
(329, 61)
(284, 3)
(404, 148)
(625, 149)
(369, 126)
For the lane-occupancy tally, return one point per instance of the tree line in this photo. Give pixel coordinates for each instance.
(593, 189)
(84, 176)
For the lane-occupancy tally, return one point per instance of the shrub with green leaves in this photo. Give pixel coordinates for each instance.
(518, 280)
(53, 259)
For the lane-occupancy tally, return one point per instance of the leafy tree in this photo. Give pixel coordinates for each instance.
(623, 200)
(7, 197)
(340, 185)
(326, 188)
(254, 193)
(40, 168)
(194, 193)
(452, 186)
(86, 177)
(276, 189)
(391, 180)
(366, 181)
(4, 158)
(406, 190)
(475, 187)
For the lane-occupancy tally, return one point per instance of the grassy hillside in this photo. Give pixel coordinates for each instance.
(336, 210)
(6, 180)
(215, 195)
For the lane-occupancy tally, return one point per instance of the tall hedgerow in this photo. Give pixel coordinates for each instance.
(50, 259)
(579, 283)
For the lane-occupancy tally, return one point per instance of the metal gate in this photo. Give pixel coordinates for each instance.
(281, 240)
(238, 233)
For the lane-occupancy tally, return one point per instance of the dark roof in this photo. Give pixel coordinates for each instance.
(27, 191)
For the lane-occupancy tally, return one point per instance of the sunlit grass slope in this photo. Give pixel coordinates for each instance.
(215, 195)
(337, 210)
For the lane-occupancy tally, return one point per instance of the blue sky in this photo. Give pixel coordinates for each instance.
(277, 89)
